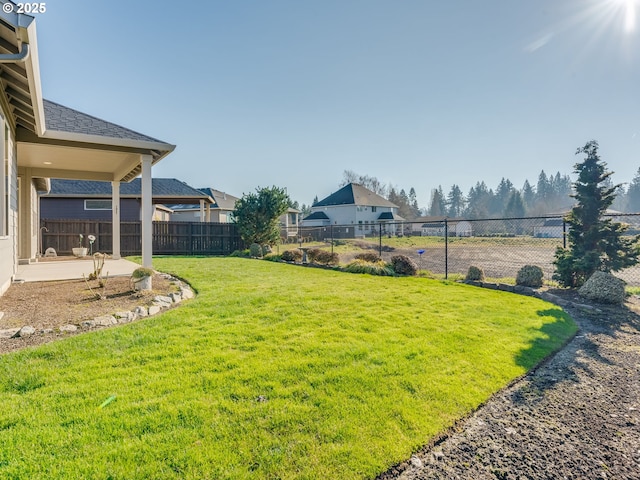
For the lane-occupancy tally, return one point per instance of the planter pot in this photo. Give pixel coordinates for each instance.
(79, 251)
(143, 283)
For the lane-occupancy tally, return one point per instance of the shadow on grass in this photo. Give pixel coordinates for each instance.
(566, 358)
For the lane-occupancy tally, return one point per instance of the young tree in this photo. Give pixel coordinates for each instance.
(594, 243)
(257, 215)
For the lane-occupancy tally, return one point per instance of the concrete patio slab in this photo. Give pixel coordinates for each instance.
(71, 270)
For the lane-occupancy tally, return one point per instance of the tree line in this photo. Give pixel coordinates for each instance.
(550, 194)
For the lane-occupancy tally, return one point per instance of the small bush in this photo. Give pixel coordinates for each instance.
(403, 265)
(142, 272)
(240, 253)
(378, 267)
(603, 287)
(272, 257)
(474, 274)
(368, 257)
(255, 250)
(322, 257)
(291, 256)
(266, 249)
(530, 276)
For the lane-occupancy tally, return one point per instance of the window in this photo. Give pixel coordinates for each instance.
(97, 204)
(374, 209)
(360, 225)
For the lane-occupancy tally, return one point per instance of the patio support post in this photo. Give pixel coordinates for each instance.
(208, 212)
(115, 220)
(201, 211)
(147, 213)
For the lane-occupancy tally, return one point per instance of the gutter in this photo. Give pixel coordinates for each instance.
(16, 57)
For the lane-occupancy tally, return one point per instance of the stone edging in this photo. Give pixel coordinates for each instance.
(160, 302)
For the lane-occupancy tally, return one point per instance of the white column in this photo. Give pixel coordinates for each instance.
(201, 210)
(147, 213)
(115, 220)
(208, 212)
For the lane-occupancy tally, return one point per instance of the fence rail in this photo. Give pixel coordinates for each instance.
(449, 246)
(169, 238)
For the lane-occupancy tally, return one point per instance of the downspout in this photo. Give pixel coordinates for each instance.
(15, 57)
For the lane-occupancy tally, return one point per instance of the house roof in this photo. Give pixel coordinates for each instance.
(317, 216)
(163, 190)
(222, 200)
(354, 194)
(65, 119)
(390, 216)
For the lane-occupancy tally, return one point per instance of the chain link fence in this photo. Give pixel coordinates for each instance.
(450, 246)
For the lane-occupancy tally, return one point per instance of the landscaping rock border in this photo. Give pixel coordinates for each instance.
(160, 303)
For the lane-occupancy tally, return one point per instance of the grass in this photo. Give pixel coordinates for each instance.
(273, 371)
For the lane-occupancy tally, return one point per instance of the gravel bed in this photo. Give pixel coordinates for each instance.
(577, 416)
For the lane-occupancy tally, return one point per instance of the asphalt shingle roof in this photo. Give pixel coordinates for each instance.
(317, 216)
(65, 119)
(160, 187)
(223, 200)
(354, 194)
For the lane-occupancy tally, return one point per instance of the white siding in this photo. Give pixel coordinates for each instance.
(9, 242)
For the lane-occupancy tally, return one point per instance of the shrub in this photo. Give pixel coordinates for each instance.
(603, 287)
(378, 267)
(255, 250)
(403, 265)
(474, 274)
(240, 253)
(142, 272)
(291, 255)
(266, 249)
(368, 257)
(272, 257)
(323, 257)
(530, 276)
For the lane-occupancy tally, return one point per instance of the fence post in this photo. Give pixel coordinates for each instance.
(331, 234)
(446, 249)
(564, 233)
(380, 240)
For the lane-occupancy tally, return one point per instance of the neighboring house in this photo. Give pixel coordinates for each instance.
(354, 206)
(221, 210)
(41, 140)
(289, 223)
(551, 228)
(435, 227)
(91, 200)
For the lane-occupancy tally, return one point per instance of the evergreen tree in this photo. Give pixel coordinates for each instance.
(438, 206)
(257, 215)
(543, 189)
(515, 206)
(633, 195)
(315, 200)
(501, 197)
(528, 195)
(594, 243)
(479, 201)
(413, 203)
(455, 201)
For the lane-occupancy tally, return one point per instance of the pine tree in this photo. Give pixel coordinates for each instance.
(438, 206)
(594, 243)
(633, 195)
(528, 195)
(515, 206)
(455, 200)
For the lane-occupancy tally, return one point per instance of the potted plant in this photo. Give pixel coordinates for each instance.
(141, 278)
(80, 251)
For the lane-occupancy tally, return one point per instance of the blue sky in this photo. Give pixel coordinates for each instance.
(293, 92)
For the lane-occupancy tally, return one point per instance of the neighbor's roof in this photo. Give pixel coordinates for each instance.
(316, 216)
(222, 200)
(354, 194)
(65, 119)
(390, 216)
(163, 190)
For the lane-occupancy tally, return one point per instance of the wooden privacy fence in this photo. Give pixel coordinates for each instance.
(169, 238)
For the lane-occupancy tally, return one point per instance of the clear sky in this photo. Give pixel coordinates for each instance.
(293, 92)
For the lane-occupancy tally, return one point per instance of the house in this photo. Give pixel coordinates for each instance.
(356, 208)
(221, 210)
(289, 223)
(91, 200)
(41, 140)
(435, 227)
(551, 228)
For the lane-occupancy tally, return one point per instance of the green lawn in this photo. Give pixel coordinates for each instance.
(273, 371)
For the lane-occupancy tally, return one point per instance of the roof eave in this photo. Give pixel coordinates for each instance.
(162, 148)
